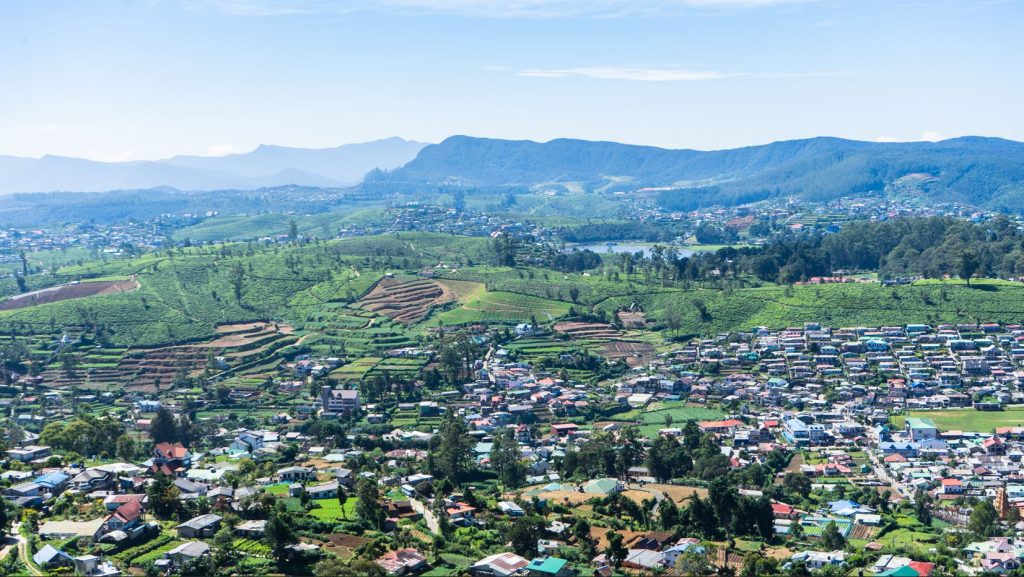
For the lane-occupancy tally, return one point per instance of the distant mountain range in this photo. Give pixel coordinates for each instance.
(986, 172)
(266, 166)
(976, 170)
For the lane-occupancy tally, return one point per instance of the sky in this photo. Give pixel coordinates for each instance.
(120, 80)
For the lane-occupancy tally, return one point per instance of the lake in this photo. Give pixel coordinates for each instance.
(630, 247)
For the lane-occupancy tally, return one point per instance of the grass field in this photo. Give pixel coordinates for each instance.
(652, 418)
(330, 509)
(968, 419)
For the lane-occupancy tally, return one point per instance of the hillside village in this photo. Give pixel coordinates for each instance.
(889, 450)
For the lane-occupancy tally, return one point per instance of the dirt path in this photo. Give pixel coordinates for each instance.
(23, 550)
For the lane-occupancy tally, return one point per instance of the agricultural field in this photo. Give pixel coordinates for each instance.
(968, 419)
(501, 308)
(406, 301)
(331, 510)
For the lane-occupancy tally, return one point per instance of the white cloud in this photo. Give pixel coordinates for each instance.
(481, 8)
(624, 73)
(931, 136)
(222, 150)
(660, 73)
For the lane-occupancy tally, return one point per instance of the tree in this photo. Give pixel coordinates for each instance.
(163, 496)
(342, 499)
(984, 520)
(668, 514)
(454, 453)
(127, 448)
(279, 534)
(506, 459)
(293, 230)
(369, 508)
(797, 483)
(524, 534)
(164, 427)
(831, 538)
(237, 281)
(969, 265)
(615, 551)
(694, 562)
(5, 519)
(796, 531)
(581, 531)
(921, 508)
(224, 552)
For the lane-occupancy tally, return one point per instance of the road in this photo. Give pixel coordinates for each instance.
(22, 544)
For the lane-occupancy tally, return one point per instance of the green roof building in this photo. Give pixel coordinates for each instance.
(549, 567)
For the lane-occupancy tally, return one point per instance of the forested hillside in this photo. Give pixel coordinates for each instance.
(981, 171)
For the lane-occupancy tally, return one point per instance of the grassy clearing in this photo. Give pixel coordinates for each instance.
(968, 419)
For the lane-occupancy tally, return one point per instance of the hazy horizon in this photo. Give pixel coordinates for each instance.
(209, 154)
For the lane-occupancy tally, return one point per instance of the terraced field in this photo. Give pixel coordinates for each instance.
(407, 302)
(597, 331)
(502, 308)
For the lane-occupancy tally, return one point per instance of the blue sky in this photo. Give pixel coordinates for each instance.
(136, 79)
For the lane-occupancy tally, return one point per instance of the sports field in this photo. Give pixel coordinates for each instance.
(969, 419)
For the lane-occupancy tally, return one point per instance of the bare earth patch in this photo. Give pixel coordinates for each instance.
(68, 291)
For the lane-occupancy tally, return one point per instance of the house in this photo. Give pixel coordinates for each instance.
(564, 429)
(124, 518)
(171, 459)
(952, 486)
(606, 486)
(644, 560)
(53, 483)
(296, 473)
(323, 491)
(93, 566)
(338, 403)
(27, 489)
(524, 330)
(189, 489)
(198, 527)
(187, 551)
(112, 502)
(91, 480)
(345, 478)
(253, 529)
(407, 561)
(921, 429)
(511, 509)
(499, 565)
(248, 441)
(51, 530)
(50, 557)
(549, 567)
(671, 554)
(29, 453)
(815, 560)
(784, 511)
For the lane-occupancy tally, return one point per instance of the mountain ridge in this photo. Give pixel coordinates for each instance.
(264, 166)
(985, 171)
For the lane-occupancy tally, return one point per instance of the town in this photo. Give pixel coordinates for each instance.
(893, 450)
